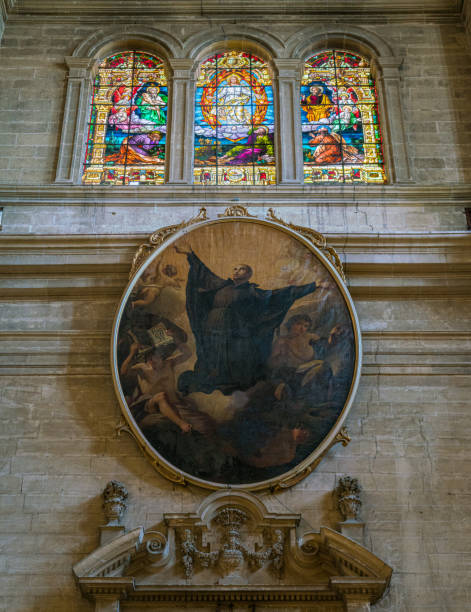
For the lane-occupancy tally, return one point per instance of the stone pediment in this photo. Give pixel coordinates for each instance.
(232, 549)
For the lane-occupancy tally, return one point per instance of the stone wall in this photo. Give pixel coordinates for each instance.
(435, 83)
(65, 253)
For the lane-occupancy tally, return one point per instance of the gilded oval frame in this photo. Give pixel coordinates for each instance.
(315, 243)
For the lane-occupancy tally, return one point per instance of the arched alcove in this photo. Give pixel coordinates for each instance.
(83, 66)
(234, 121)
(385, 65)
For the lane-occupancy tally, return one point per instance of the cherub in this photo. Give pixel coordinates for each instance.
(152, 283)
(297, 347)
(156, 380)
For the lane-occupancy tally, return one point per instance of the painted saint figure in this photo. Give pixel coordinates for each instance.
(151, 104)
(259, 147)
(233, 322)
(332, 148)
(231, 100)
(317, 104)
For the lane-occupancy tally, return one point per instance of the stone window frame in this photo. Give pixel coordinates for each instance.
(286, 60)
(243, 45)
(385, 69)
(83, 65)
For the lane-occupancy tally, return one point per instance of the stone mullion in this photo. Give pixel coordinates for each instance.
(391, 115)
(289, 141)
(179, 154)
(73, 125)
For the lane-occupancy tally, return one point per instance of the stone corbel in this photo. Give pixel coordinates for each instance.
(73, 123)
(388, 77)
(289, 138)
(179, 154)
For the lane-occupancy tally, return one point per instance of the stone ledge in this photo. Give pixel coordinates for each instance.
(276, 195)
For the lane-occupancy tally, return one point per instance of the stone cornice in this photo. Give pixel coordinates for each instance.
(279, 195)
(423, 9)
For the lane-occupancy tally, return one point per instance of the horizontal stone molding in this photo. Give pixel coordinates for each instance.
(277, 195)
(68, 244)
(73, 352)
(432, 10)
(377, 266)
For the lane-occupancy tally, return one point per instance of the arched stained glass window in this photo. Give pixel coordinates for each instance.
(234, 121)
(128, 121)
(339, 116)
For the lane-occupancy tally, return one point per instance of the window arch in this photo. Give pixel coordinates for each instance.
(234, 121)
(128, 121)
(339, 116)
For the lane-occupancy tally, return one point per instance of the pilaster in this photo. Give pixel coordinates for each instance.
(289, 141)
(180, 122)
(72, 135)
(391, 115)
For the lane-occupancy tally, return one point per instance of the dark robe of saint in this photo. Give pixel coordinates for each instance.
(233, 325)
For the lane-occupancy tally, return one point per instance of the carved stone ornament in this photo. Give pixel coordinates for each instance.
(233, 549)
(234, 555)
(245, 331)
(114, 502)
(348, 498)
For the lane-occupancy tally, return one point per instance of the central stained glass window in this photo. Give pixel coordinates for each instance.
(339, 116)
(128, 121)
(234, 122)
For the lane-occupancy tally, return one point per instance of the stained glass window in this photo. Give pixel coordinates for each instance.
(128, 121)
(339, 116)
(234, 122)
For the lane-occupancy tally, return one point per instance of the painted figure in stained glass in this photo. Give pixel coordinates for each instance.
(234, 102)
(317, 104)
(127, 132)
(234, 121)
(259, 146)
(151, 104)
(339, 120)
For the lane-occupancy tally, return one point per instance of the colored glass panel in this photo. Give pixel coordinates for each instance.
(234, 121)
(339, 116)
(128, 121)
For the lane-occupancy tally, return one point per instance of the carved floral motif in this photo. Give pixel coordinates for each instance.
(190, 552)
(233, 555)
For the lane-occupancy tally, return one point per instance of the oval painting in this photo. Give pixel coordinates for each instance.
(236, 354)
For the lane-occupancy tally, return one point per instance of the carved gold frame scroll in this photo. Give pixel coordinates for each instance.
(315, 242)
